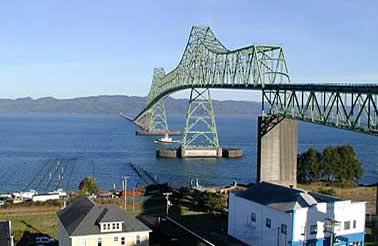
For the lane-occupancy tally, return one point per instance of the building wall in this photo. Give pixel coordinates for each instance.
(317, 215)
(256, 233)
(298, 223)
(108, 239)
(64, 239)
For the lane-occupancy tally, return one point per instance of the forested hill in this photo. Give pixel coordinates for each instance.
(116, 104)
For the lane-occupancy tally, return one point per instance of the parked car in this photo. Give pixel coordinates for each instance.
(44, 240)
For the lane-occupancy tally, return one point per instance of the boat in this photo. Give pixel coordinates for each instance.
(28, 195)
(165, 139)
(5, 196)
(18, 199)
(58, 191)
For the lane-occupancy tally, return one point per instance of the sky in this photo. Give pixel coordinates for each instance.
(72, 48)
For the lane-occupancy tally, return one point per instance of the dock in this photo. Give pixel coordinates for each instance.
(171, 153)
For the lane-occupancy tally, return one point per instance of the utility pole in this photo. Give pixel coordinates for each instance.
(124, 184)
(167, 194)
(136, 185)
(330, 228)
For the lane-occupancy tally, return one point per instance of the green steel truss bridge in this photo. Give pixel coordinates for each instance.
(208, 64)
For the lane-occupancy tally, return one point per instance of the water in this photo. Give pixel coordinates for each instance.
(104, 145)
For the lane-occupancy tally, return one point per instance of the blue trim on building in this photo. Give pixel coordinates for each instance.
(344, 240)
(292, 226)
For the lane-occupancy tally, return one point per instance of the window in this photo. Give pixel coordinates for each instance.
(113, 226)
(137, 239)
(283, 229)
(354, 224)
(109, 226)
(115, 239)
(253, 217)
(104, 227)
(117, 226)
(99, 242)
(268, 223)
(313, 229)
(346, 225)
(122, 240)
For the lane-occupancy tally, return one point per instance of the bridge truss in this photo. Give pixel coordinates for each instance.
(207, 63)
(352, 107)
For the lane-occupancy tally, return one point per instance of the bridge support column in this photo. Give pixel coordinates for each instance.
(154, 121)
(200, 138)
(277, 150)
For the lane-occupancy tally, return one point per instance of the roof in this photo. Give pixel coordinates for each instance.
(279, 197)
(82, 217)
(5, 233)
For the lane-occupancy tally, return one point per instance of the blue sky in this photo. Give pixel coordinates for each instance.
(77, 48)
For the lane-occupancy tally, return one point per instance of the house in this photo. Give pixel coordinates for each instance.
(84, 223)
(6, 238)
(270, 214)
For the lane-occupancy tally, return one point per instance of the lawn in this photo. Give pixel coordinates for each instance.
(357, 193)
(26, 226)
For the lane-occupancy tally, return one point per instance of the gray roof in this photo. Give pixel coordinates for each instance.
(278, 197)
(5, 233)
(82, 217)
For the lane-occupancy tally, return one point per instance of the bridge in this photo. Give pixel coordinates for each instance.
(207, 64)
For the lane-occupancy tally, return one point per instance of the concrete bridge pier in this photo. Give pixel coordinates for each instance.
(277, 150)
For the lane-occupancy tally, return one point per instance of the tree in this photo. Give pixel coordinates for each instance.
(349, 168)
(330, 163)
(336, 163)
(309, 166)
(88, 186)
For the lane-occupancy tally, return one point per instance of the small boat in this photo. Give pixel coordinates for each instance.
(58, 191)
(28, 195)
(18, 199)
(165, 139)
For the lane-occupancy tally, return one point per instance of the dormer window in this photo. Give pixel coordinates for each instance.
(111, 226)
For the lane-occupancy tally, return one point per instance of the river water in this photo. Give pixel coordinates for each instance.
(103, 145)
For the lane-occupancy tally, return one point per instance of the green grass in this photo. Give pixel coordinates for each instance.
(372, 244)
(25, 225)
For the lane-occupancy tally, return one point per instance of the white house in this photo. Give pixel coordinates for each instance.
(269, 214)
(84, 223)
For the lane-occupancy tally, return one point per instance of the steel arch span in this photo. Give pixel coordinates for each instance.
(207, 63)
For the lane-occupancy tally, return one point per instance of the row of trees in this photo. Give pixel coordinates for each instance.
(335, 163)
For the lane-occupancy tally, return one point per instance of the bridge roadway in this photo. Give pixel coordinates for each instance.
(344, 99)
(363, 88)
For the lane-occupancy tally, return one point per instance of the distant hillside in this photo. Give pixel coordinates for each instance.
(116, 104)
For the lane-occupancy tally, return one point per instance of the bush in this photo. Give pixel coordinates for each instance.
(330, 192)
(212, 202)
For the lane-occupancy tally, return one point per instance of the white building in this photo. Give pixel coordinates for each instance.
(269, 214)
